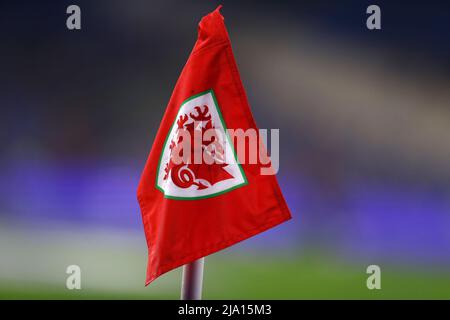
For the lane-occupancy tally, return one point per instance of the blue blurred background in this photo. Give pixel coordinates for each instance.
(364, 120)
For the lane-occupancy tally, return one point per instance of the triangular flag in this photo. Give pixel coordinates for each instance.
(190, 209)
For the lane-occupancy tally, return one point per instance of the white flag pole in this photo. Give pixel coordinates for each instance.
(191, 285)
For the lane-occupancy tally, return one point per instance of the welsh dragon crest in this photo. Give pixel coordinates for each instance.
(200, 175)
(195, 118)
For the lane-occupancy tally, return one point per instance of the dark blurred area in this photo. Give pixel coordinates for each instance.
(364, 116)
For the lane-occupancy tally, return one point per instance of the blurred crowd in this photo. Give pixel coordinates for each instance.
(364, 116)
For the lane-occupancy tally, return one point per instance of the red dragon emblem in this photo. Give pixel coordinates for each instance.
(203, 175)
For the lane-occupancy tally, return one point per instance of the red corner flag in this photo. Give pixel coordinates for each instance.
(191, 210)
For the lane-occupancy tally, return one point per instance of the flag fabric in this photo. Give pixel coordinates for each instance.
(191, 210)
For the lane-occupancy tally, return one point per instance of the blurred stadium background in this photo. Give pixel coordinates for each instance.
(364, 122)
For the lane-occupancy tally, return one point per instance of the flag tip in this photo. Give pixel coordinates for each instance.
(217, 11)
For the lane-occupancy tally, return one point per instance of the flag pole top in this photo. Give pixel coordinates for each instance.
(192, 282)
